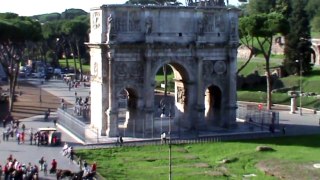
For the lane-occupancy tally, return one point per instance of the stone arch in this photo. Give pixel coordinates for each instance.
(129, 111)
(131, 58)
(181, 101)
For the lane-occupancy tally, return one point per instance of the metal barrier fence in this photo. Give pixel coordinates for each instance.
(260, 117)
(72, 123)
(79, 126)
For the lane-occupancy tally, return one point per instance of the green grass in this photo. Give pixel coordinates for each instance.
(85, 67)
(310, 83)
(278, 98)
(201, 161)
(257, 64)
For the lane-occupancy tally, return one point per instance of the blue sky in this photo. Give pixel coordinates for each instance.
(34, 7)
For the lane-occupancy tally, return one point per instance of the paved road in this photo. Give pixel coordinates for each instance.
(26, 153)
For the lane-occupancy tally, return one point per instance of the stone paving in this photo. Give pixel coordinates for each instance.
(26, 153)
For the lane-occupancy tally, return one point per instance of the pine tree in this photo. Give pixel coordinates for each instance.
(298, 45)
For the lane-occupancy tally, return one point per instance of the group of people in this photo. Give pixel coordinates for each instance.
(12, 130)
(68, 151)
(82, 107)
(13, 169)
(88, 171)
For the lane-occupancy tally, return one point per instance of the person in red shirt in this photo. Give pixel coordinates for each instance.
(94, 167)
(53, 166)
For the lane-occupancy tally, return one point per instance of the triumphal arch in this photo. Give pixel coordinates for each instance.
(130, 44)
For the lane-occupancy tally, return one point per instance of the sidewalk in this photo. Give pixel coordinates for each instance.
(26, 153)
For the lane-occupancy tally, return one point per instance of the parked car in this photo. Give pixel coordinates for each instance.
(37, 75)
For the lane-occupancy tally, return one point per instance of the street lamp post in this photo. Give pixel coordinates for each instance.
(300, 79)
(40, 100)
(170, 170)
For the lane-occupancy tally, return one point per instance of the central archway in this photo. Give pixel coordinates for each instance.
(171, 108)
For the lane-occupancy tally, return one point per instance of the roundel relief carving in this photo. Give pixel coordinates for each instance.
(121, 69)
(207, 68)
(220, 67)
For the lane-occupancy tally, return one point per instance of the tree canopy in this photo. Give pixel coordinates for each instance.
(15, 33)
(262, 27)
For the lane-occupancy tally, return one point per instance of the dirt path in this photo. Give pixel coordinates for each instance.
(28, 104)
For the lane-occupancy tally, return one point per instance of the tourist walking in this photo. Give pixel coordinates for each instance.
(55, 122)
(31, 137)
(71, 155)
(41, 162)
(45, 168)
(54, 165)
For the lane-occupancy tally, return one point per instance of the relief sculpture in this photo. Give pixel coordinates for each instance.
(181, 95)
(120, 22)
(148, 25)
(96, 20)
(109, 21)
(209, 22)
(207, 68)
(201, 23)
(129, 72)
(134, 21)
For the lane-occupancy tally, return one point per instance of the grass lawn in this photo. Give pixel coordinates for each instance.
(85, 67)
(293, 158)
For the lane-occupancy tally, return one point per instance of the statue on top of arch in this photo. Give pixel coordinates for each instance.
(206, 2)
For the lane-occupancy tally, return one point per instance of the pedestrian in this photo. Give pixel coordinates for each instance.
(54, 165)
(55, 122)
(85, 164)
(31, 137)
(41, 162)
(4, 122)
(18, 137)
(71, 155)
(17, 123)
(7, 136)
(47, 114)
(23, 127)
(0, 171)
(4, 135)
(6, 172)
(80, 163)
(62, 104)
(284, 130)
(22, 137)
(94, 167)
(45, 168)
(121, 141)
(163, 138)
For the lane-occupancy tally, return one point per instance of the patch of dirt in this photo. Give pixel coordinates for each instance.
(202, 165)
(191, 157)
(181, 150)
(288, 170)
(28, 104)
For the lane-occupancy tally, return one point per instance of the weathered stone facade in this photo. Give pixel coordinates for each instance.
(129, 44)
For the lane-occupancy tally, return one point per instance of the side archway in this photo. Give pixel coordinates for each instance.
(128, 112)
(212, 103)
